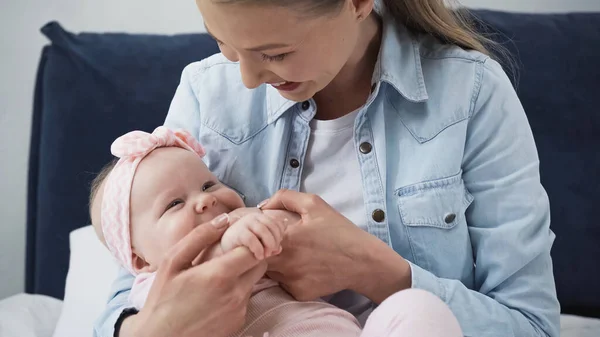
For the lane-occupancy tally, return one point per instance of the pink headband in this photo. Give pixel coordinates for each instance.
(131, 148)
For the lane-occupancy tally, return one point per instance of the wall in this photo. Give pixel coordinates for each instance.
(21, 43)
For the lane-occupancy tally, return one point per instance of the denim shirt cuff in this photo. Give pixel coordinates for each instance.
(425, 280)
(105, 326)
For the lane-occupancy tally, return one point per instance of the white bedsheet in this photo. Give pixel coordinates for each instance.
(29, 316)
(575, 326)
(36, 316)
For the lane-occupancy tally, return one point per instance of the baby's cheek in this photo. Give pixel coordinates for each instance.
(174, 235)
(181, 224)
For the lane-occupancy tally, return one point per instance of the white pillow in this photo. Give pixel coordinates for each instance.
(92, 270)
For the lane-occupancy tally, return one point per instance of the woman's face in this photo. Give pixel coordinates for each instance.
(297, 54)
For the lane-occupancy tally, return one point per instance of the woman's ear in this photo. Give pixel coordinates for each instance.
(363, 8)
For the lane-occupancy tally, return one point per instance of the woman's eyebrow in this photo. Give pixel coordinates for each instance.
(264, 47)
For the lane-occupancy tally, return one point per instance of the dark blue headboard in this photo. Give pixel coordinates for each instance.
(92, 88)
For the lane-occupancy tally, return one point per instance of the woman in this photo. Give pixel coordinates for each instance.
(413, 138)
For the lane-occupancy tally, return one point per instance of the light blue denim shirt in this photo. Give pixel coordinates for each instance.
(453, 166)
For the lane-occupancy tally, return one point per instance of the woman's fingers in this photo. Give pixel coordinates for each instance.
(293, 201)
(187, 249)
(249, 278)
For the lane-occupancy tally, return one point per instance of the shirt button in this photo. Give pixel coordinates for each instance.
(450, 218)
(365, 148)
(378, 215)
(305, 105)
(294, 163)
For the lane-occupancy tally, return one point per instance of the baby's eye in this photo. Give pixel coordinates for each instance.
(174, 203)
(208, 185)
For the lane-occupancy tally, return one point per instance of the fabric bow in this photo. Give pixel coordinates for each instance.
(140, 143)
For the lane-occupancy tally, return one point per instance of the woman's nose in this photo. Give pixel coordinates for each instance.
(252, 74)
(205, 202)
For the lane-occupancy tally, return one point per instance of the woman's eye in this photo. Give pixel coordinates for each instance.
(219, 42)
(275, 58)
(208, 185)
(174, 203)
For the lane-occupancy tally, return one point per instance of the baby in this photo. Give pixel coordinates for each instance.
(158, 191)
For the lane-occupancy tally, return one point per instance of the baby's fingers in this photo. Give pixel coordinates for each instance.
(250, 240)
(266, 230)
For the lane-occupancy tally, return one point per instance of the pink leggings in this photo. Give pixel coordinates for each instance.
(412, 313)
(409, 313)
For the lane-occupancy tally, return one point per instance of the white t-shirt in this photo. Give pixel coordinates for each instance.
(331, 167)
(331, 170)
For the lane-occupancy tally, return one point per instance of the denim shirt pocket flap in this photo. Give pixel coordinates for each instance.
(425, 121)
(439, 203)
(230, 128)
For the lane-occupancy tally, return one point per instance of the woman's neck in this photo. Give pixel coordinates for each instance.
(350, 89)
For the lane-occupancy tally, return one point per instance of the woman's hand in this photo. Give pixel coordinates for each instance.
(326, 253)
(206, 300)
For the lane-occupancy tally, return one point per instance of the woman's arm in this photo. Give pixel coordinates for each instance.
(509, 223)
(509, 226)
(184, 112)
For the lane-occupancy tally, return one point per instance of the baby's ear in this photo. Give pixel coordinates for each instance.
(140, 265)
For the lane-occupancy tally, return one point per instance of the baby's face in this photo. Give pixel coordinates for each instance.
(173, 192)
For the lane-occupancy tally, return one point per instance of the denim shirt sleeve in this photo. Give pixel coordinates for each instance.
(183, 113)
(508, 221)
(105, 324)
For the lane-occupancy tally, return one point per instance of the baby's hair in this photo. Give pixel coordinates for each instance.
(94, 189)
(97, 182)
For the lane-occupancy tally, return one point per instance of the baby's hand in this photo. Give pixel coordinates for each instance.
(256, 231)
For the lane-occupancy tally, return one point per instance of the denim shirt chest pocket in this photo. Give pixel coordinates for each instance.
(433, 214)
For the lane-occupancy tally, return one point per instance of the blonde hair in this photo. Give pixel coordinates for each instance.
(99, 179)
(435, 17)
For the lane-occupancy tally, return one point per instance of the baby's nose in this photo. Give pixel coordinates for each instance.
(205, 202)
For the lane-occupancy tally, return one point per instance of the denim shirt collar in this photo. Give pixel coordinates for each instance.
(398, 64)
